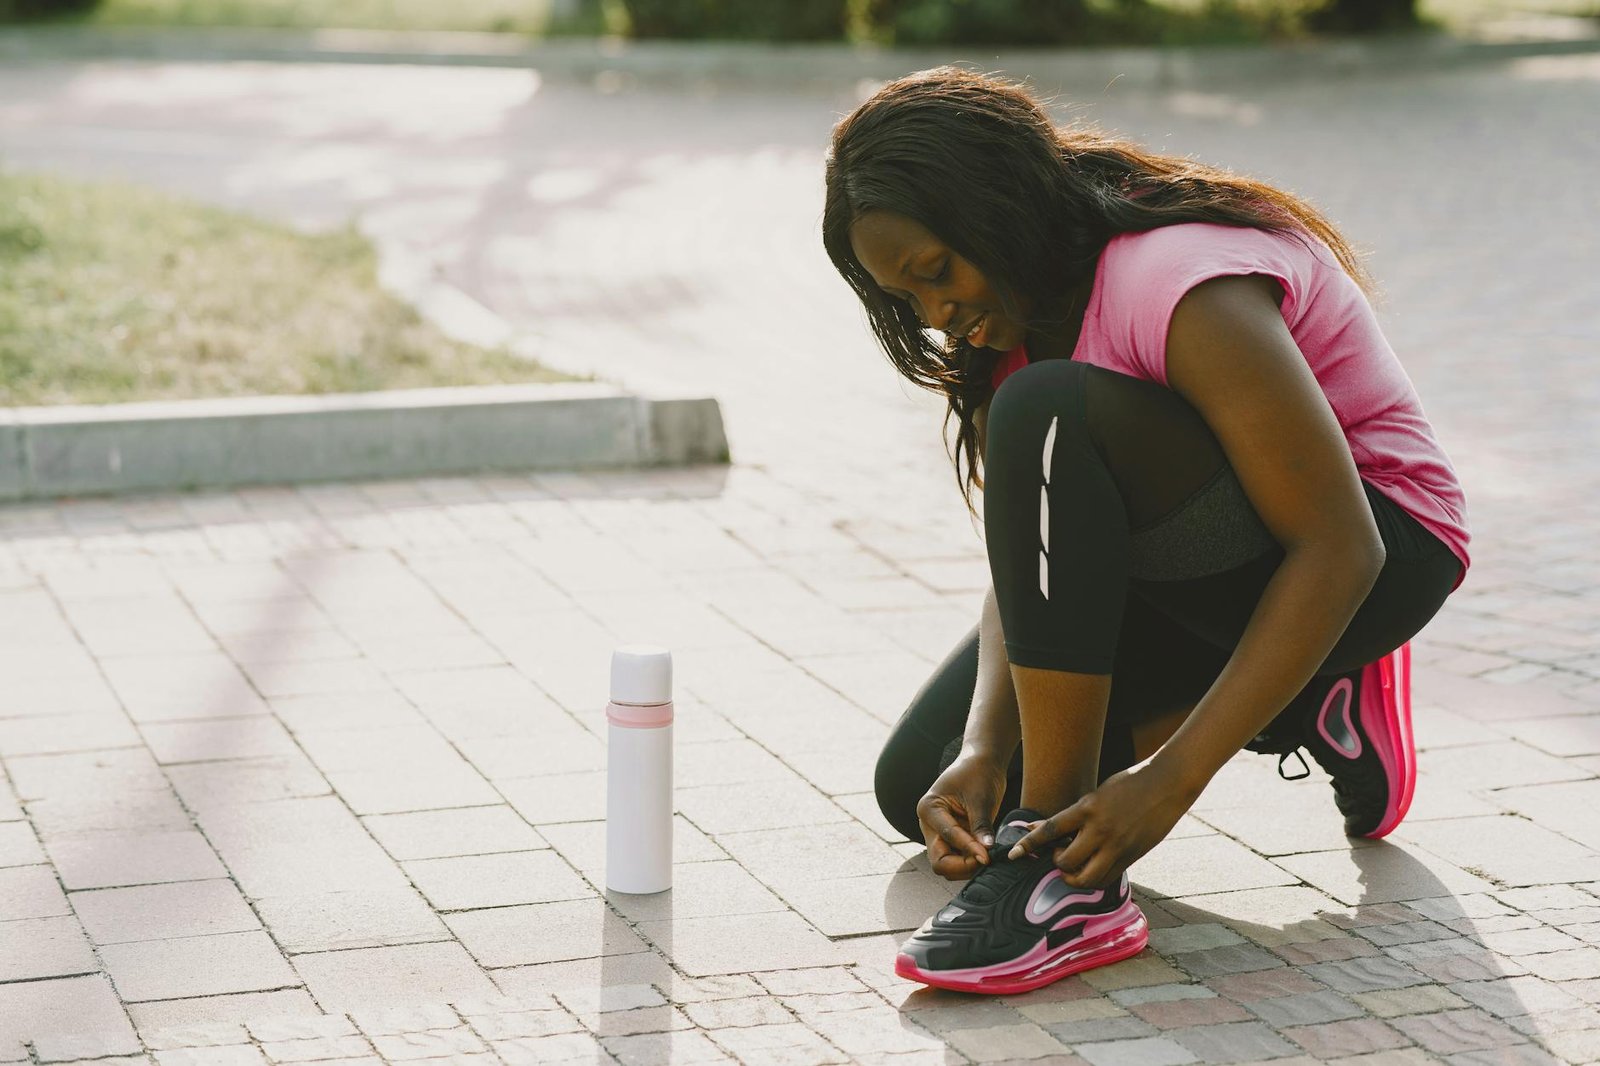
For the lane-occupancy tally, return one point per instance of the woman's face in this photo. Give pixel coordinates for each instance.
(947, 292)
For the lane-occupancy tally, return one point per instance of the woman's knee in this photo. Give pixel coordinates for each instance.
(1033, 399)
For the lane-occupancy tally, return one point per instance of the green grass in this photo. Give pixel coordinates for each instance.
(111, 293)
(533, 17)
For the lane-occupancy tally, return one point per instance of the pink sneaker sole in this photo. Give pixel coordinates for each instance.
(1386, 719)
(1041, 966)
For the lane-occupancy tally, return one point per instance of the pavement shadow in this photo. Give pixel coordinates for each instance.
(1401, 961)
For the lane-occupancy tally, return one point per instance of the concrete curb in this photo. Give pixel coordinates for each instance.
(612, 63)
(176, 445)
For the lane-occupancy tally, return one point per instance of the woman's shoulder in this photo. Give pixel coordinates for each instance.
(1198, 246)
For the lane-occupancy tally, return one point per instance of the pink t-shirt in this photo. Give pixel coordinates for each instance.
(1142, 276)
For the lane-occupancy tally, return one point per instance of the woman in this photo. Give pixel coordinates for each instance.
(1214, 510)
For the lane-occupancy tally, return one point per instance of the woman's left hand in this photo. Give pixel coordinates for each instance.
(1130, 813)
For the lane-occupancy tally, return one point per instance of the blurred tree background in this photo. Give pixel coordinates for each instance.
(886, 22)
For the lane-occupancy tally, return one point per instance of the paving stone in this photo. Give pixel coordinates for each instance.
(732, 1013)
(1142, 969)
(1575, 1047)
(1364, 975)
(1198, 865)
(1231, 958)
(1575, 964)
(31, 892)
(313, 1027)
(809, 981)
(70, 1017)
(516, 1025)
(204, 786)
(1468, 966)
(1451, 1031)
(833, 1001)
(602, 999)
(1355, 1036)
(1515, 995)
(1311, 1008)
(700, 890)
(1416, 999)
(211, 1010)
(1177, 1013)
(396, 1019)
(429, 1044)
(110, 860)
(1515, 1055)
(546, 932)
(1334, 949)
(606, 972)
(739, 943)
(876, 1031)
(1234, 1042)
(1073, 1010)
(35, 948)
(1264, 984)
(564, 1047)
(1380, 875)
(1127, 997)
(1001, 1042)
(317, 1049)
(215, 1034)
(417, 973)
(646, 1049)
(1145, 1051)
(196, 966)
(1512, 851)
(18, 845)
(451, 833)
(1184, 938)
(234, 1055)
(330, 921)
(847, 906)
(209, 741)
(164, 911)
(790, 1043)
(496, 880)
(1094, 1030)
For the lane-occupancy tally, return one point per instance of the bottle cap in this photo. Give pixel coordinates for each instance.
(641, 674)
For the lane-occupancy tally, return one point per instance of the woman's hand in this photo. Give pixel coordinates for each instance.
(1130, 813)
(957, 815)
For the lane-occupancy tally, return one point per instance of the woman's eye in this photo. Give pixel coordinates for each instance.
(943, 272)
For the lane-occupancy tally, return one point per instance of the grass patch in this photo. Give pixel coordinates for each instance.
(532, 17)
(111, 293)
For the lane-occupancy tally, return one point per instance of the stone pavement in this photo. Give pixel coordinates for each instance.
(291, 771)
(317, 774)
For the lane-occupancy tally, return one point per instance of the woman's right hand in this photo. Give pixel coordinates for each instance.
(957, 815)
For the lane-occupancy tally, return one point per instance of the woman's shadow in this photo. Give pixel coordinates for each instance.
(1381, 947)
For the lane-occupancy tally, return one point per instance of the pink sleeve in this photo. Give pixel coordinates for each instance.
(1150, 272)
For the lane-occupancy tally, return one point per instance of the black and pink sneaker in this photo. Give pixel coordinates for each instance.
(1359, 731)
(1017, 925)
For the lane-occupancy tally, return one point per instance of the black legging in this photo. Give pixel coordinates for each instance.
(1153, 560)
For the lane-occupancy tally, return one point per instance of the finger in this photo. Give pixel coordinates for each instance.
(955, 867)
(1078, 850)
(962, 841)
(1092, 874)
(1036, 838)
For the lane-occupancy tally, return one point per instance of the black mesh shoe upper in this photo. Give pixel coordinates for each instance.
(986, 923)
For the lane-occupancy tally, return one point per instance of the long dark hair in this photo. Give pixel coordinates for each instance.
(976, 161)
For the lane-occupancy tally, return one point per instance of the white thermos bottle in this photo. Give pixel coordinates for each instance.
(639, 770)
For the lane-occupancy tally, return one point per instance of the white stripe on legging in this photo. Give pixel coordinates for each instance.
(1044, 513)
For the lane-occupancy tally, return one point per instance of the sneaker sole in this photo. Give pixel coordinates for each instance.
(1387, 722)
(1035, 970)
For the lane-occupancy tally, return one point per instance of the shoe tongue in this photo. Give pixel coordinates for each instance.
(1013, 827)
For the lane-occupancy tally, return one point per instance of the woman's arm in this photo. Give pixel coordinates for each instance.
(1231, 356)
(994, 725)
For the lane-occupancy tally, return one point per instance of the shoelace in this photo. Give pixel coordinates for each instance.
(991, 882)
